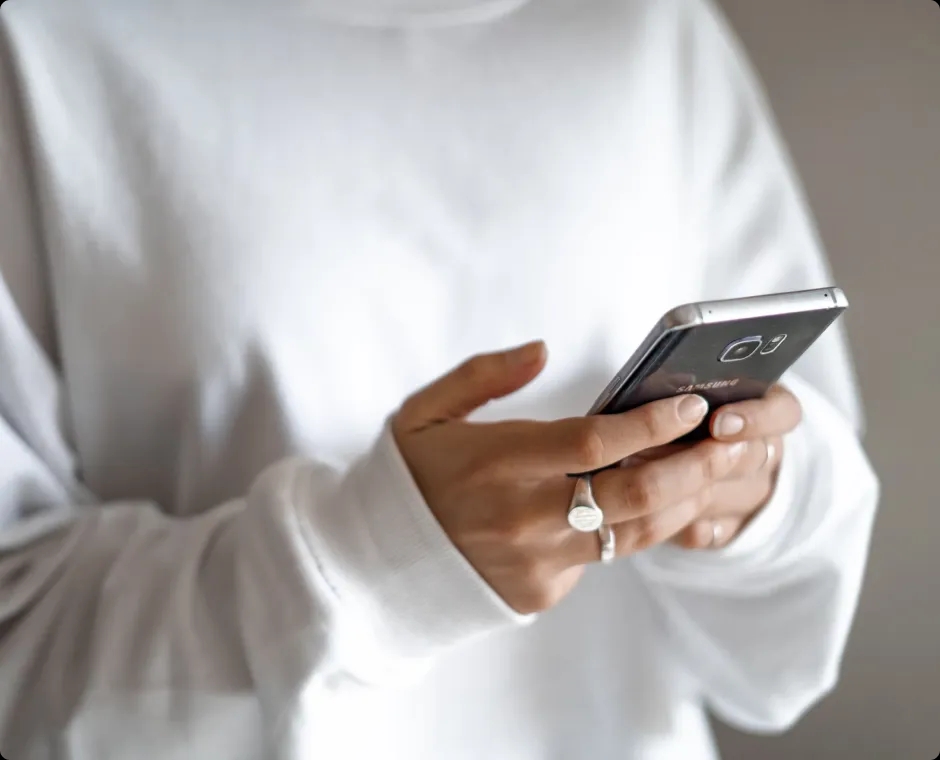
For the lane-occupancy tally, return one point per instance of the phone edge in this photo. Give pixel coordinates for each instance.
(793, 302)
(679, 318)
(713, 312)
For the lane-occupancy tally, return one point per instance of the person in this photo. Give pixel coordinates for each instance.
(273, 485)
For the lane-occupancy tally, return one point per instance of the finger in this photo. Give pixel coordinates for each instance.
(710, 533)
(635, 535)
(657, 452)
(734, 498)
(731, 505)
(589, 444)
(760, 455)
(471, 385)
(632, 492)
(651, 530)
(775, 414)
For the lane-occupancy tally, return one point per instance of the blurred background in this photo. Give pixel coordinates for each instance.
(856, 89)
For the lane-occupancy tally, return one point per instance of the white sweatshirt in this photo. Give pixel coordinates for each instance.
(235, 235)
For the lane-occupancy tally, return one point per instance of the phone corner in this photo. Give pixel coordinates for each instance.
(687, 315)
(839, 298)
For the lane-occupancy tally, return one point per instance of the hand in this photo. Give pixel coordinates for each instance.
(730, 504)
(501, 490)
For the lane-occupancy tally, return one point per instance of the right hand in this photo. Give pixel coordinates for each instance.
(501, 490)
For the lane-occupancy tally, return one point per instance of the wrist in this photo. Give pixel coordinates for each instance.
(386, 556)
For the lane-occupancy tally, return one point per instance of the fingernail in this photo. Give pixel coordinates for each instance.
(735, 450)
(728, 424)
(526, 354)
(692, 409)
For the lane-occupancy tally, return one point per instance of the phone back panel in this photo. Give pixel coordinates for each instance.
(688, 360)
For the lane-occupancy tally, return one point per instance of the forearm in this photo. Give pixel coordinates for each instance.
(124, 608)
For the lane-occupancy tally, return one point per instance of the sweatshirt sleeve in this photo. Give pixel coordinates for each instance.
(314, 578)
(762, 624)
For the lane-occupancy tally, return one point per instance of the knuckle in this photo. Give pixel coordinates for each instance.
(651, 530)
(591, 448)
(473, 370)
(642, 491)
(643, 534)
(713, 464)
(541, 593)
(707, 469)
(650, 422)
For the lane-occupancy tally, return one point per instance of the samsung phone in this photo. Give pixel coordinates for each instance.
(725, 351)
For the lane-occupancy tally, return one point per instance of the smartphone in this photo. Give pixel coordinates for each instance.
(725, 351)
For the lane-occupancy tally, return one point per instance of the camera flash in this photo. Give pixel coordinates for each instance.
(773, 344)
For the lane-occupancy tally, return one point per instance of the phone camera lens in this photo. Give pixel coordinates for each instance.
(741, 349)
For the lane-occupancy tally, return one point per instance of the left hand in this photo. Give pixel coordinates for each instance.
(730, 504)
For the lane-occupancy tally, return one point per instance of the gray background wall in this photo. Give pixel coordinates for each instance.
(856, 88)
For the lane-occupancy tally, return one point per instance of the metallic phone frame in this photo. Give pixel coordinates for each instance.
(716, 312)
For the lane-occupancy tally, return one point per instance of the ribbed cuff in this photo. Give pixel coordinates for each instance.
(385, 555)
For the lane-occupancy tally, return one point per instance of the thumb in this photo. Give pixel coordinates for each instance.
(471, 385)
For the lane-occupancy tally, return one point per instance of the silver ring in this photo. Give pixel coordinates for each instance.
(608, 544)
(584, 514)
